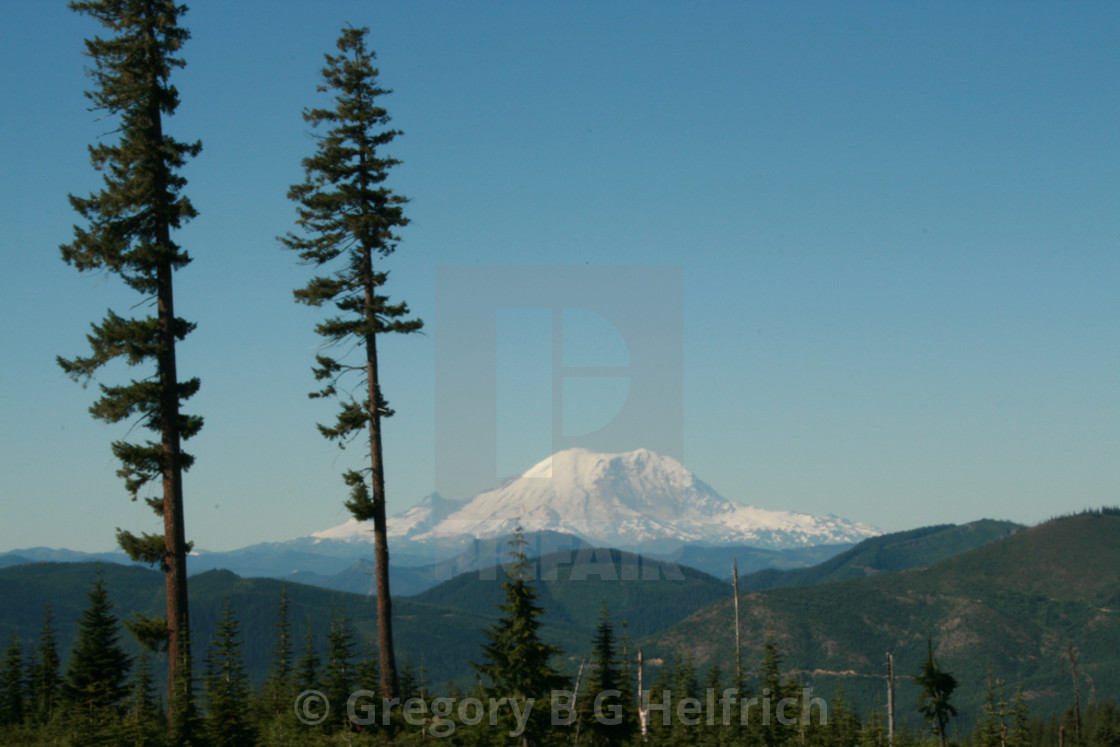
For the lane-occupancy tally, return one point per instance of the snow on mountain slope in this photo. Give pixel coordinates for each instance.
(621, 500)
(426, 514)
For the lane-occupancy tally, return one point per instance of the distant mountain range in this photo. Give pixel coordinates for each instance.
(440, 628)
(637, 501)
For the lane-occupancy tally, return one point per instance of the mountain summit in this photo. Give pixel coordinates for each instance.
(631, 500)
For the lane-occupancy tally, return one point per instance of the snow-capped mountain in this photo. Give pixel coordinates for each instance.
(632, 500)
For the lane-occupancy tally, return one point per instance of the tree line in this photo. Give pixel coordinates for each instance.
(329, 692)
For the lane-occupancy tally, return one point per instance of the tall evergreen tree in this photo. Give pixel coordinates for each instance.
(98, 669)
(516, 662)
(347, 218)
(13, 691)
(937, 689)
(130, 225)
(46, 681)
(226, 686)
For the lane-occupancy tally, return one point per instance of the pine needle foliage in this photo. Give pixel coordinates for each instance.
(347, 218)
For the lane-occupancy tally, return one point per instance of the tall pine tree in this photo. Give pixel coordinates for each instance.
(347, 218)
(130, 225)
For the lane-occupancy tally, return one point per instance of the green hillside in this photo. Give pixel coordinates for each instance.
(887, 553)
(442, 640)
(647, 594)
(440, 630)
(1012, 606)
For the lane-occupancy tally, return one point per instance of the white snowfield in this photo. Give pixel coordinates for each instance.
(617, 500)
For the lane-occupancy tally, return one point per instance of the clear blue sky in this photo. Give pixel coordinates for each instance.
(898, 226)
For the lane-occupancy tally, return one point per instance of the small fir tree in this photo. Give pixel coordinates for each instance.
(991, 726)
(628, 680)
(46, 680)
(843, 728)
(603, 688)
(307, 667)
(97, 673)
(226, 687)
(772, 691)
(277, 693)
(367, 672)
(338, 671)
(1019, 735)
(516, 663)
(143, 723)
(937, 689)
(874, 731)
(13, 693)
(413, 682)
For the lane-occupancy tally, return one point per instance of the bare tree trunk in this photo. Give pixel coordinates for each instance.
(738, 638)
(1076, 695)
(890, 700)
(174, 531)
(575, 699)
(643, 712)
(390, 685)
